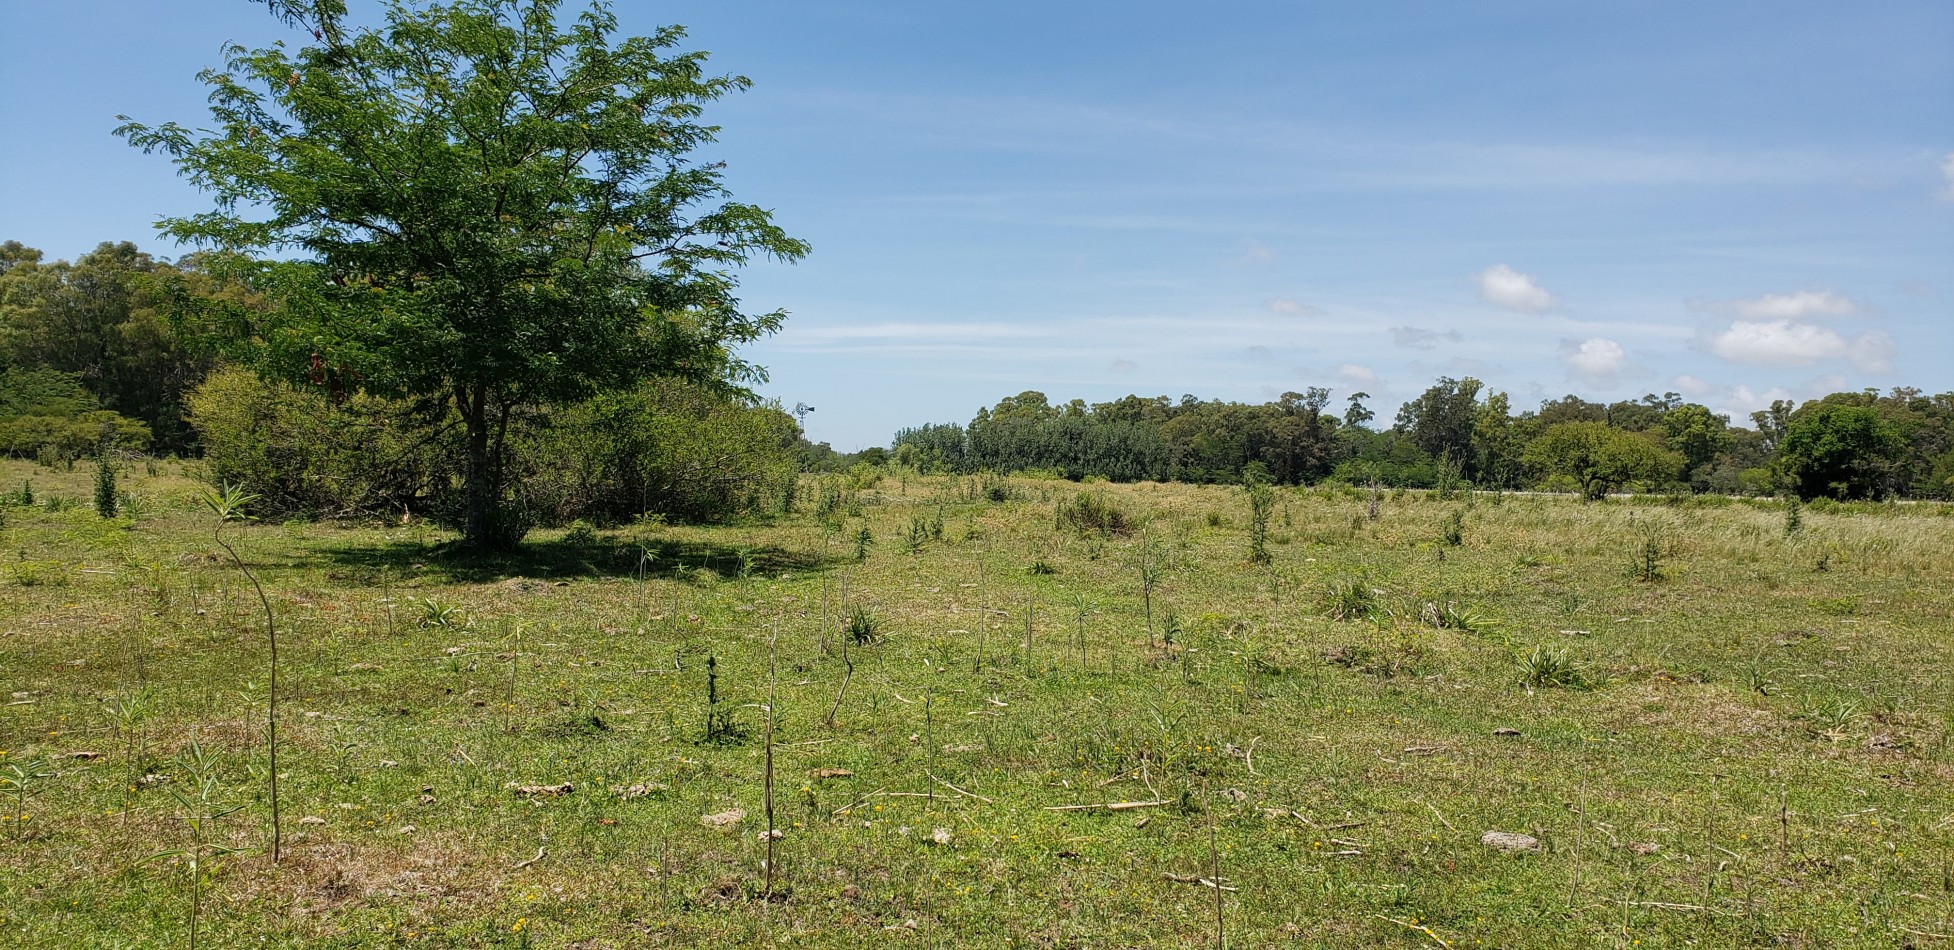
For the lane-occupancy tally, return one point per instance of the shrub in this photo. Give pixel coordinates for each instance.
(1093, 513)
(301, 453)
(1350, 598)
(667, 447)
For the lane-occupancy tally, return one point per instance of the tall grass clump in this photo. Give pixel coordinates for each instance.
(1092, 513)
(1350, 598)
(1552, 667)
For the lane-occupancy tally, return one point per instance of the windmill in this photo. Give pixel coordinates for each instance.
(801, 410)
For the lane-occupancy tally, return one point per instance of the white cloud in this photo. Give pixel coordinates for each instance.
(1785, 343)
(1291, 308)
(1260, 352)
(1355, 375)
(1419, 338)
(1124, 366)
(1502, 286)
(1694, 387)
(1947, 172)
(1872, 352)
(1802, 305)
(1597, 361)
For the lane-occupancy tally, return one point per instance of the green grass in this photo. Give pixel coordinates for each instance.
(1757, 753)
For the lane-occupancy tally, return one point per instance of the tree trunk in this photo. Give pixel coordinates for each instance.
(478, 481)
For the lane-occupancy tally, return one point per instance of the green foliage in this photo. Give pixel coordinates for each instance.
(441, 614)
(50, 415)
(1452, 530)
(1552, 667)
(665, 447)
(864, 539)
(302, 453)
(1442, 420)
(721, 726)
(1650, 550)
(1093, 513)
(106, 501)
(557, 238)
(101, 324)
(1842, 451)
(864, 627)
(1261, 503)
(1350, 598)
(1599, 459)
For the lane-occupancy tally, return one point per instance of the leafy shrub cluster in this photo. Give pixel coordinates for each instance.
(666, 448)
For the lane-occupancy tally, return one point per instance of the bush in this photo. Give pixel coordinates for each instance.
(667, 447)
(301, 453)
(1093, 513)
(50, 415)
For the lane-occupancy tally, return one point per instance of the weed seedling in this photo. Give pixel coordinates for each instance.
(228, 504)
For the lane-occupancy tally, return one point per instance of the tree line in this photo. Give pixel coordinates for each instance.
(1847, 445)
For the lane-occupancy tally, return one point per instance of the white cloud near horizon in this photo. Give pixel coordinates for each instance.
(1502, 286)
(1354, 375)
(1595, 362)
(1784, 342)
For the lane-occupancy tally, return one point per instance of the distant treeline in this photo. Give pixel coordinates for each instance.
(1846, 445)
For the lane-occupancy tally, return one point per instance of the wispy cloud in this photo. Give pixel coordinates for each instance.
(1797, 305)
(1419, 338)
(1290, 308)
(909, 331)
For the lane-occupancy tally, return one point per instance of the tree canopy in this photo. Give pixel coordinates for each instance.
(485, 209)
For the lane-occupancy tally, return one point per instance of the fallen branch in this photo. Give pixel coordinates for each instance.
(1679, 908)
(857, 802)
(1421, 928)
(1109, 806)
(961, 791)
(1191, 879)
(1436, 814)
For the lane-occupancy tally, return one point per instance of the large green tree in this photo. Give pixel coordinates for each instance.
(1841, 450)
(1442, 419)
(478, 204)
(1599, 458)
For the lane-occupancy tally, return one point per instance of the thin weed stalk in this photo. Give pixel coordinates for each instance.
(228, 503)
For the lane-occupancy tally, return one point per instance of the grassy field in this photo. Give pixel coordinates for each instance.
(1737, 733)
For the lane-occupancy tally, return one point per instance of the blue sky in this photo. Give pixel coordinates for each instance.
(1736, 201)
